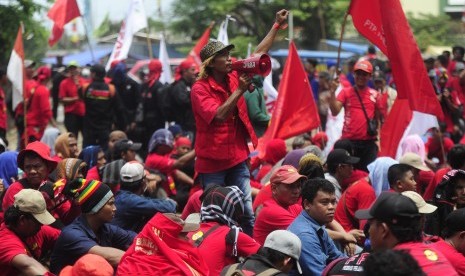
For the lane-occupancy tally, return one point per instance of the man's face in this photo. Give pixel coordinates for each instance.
(73, 147)
(376, 232)
(190, 75)
(222, 62)
(407, 183)
(101, 159)
(36, 170)
(460, 191)
(107, 213)
(28, 226)
(287, 194)
(379, 84)
(345, 170)
(361, 78)
(322, 207)
(183, 149)
(129, 155)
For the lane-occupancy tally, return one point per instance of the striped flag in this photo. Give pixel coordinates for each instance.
(15, 70)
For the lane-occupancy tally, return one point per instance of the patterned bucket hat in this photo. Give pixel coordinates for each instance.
(212, 48)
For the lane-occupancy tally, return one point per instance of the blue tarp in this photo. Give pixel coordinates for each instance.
(84, 57)
(359, 49)
(328, 57)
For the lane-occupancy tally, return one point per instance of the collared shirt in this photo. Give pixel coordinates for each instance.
(78, 238)
(134, 211)
(318, 249)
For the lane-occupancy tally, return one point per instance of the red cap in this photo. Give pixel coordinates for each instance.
(286, 174)
(155, 65)
(364, 65)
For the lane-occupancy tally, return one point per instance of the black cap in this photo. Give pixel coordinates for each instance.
(455, 221)
(341, 156)
(124, 145)
(389, 206)
(99, 71)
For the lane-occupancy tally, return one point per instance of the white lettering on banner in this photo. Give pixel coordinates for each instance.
(119, 40)
(368, 24)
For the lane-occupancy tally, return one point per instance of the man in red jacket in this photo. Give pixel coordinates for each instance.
(223, 126)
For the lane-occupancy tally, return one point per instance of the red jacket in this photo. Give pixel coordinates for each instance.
(219, 145)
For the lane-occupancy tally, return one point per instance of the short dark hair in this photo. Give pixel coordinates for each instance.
(12, 215)
(310, 188)
(371, 49)
(274, 256)
(312, 170)
(456, 156)
(407, 229)
(312, 61)
(392, 263)
(396, 172)
(345, 144)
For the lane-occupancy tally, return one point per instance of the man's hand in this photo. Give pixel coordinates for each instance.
(281, 17)
(244, 82)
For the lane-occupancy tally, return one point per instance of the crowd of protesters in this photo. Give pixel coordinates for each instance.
(144, 194)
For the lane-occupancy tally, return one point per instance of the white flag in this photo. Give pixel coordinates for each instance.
(15, 70)
(223, 32)
(135, 20)
(165, 76)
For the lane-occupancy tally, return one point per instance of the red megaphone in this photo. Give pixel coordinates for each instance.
(257, 65)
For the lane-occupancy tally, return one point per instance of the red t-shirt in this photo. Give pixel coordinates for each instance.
(274, 217)
(431, 260)
(456, 258)
(429, 192)
(69, 89)
(193, 204)
(12, 246)
(434, 149)
(423, 179)
(9, 199)
(263, 195)
(163, 163)
(39, 112)
(355, 123)
(359, 195)
(213, 248)
(92, 174)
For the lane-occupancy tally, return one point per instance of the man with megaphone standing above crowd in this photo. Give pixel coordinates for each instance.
(220, 111)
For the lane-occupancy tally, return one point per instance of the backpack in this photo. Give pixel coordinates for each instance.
(165, 102)
(236, 270)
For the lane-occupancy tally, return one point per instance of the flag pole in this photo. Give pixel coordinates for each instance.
(338, 62)
(86, 30)
(24, 95)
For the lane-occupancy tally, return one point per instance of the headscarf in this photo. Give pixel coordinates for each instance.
(185, 64)
(62, 145)
(275, 150)
(414, 143)
(90, 155)
(8, 167)
(49, 138)
(160, 137)
(43, 73)
(68, 168)
(183, 141)
(224, 205)
(377, 172)
(119, 74)
(158, 248)
(155, 69)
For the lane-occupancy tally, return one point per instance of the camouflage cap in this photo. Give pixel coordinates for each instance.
(212, 48)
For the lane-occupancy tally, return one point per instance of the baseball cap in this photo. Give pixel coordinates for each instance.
(32, 201)
(73, 63)
(423, 207)
(131, 172)
(89, 265)
(414, 160)
(124, 145)
(192, 222)
(285, 242)
(379, 75)
(389, 206)
(286, 174)
(455, 221)
(341, 156)
(212, 48)
(364, 65)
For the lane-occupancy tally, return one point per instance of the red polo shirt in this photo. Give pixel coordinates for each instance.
(359, 195)
(355, 123)
(69, 89)
(434, 148)
(219, 145)
(431, 260)
(456, 258)
(12, 246)
(272, 217)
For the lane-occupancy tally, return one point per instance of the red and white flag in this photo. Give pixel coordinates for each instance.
(295, 110)
(194, 54)
(15, 70)
(135, 20)
(62, 12)
(416, 109)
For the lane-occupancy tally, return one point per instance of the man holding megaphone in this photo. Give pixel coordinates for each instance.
(220, 111)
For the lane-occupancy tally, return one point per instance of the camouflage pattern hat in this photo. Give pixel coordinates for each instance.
(212, 48)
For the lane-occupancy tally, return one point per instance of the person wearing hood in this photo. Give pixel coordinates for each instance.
(95, 159)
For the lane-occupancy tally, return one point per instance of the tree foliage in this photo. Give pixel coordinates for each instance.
(35, 35)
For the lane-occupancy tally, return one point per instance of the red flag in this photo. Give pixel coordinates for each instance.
(62, 12)
(15, 70)
(194, 54)
(383, 23)
(295, 111)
